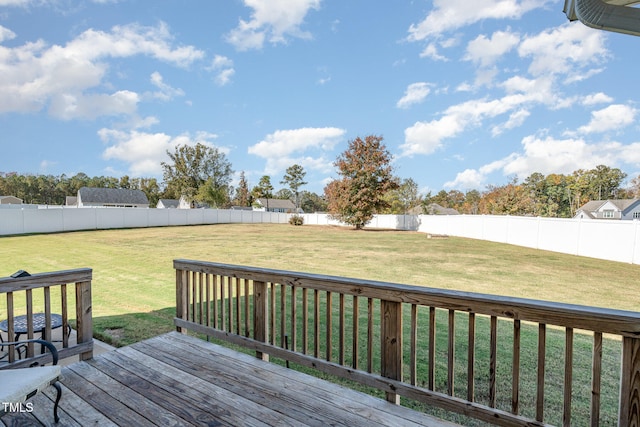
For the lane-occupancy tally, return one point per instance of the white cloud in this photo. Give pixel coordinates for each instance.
(166, 92)
(486, 51)
(427, 137)
(431, 51)
(448, 15)
(516, 119)
(223, 67)
(36, 76)
(6, 34)
(612, 118)
(271, 21)
(283, 148)
(144, 152)
(415, 94)
(549, 155)
(596, 98)
(568, 50)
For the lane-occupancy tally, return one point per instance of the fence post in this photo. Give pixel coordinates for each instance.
(391, 352)
(260, 323)
(84, 317)
(630, 383)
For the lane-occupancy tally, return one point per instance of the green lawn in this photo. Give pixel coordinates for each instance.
(133, 286)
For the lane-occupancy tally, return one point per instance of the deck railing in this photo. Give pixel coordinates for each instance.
(506, 361)
(46, 295)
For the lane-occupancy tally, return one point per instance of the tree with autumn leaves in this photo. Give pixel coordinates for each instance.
(366, 176)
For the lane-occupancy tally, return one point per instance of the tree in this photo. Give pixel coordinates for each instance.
(403, 198)
(294, 179)
(264, 189)
(312, 202)
(194, 166)
(366, 176)
(243, 198)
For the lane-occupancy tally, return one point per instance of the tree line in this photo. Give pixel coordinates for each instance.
(366, 186)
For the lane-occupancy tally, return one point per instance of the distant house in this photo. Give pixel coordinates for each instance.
(274, 205)
(168, 204)
(624, 209)
(10, 200)
(111, 197)
(436, 209)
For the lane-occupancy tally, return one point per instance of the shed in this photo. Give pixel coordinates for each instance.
(10, 200)
(168, 204)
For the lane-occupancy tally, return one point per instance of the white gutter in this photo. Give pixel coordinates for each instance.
(612, 15)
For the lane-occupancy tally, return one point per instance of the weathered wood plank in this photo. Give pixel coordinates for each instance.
(136, 401)
(183, 394)
(109, 406)
(338, 398)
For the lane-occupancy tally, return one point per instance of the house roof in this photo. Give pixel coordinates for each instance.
(277, 203)
(622, 204)
(436, 209)
(612, 15)
(169, 203)
(12, 198)
(112, 196)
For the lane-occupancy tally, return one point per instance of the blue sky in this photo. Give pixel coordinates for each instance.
(465, 93)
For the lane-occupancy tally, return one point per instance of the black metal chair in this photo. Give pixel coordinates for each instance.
(20, 384)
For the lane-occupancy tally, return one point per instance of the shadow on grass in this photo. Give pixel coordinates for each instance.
(127, 329)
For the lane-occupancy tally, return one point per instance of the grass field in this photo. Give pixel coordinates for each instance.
(134, 281)
(133, 286)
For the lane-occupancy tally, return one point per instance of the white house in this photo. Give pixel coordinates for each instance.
(624, 209)
(274, 205)
(111, 197)
(168, 204)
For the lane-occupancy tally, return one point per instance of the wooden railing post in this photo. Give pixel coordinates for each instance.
(391, 352)
(630, 383)
(84, 319)
(182, 298)
(260, 322)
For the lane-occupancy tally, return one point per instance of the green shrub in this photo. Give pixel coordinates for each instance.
(296, 220)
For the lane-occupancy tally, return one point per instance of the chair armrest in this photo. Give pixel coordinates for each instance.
(52, 348)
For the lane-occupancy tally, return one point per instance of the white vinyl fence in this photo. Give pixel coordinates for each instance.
(613, 240)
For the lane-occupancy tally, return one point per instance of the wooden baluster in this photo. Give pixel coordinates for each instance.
(305, 320)
(493, 361)
(471, 356)
(568, 376)
(451, 352)
(328, 327)
(391, 342)
(596, 375)
(515, 384)
(316, 323)
(247, 312)
(283, 315)
(370, 335)
(542, 345)
(432, 347)
(356, 333)
(260, 323)
(341, 331)
(414, 344)
(294, 319)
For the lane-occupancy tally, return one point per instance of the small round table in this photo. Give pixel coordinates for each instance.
(20, 326)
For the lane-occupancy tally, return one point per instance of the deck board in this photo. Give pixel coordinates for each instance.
(177, 380)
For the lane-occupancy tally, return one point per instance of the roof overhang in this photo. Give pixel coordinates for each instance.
(611, 15)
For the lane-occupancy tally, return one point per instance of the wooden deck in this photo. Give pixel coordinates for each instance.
(175, 380)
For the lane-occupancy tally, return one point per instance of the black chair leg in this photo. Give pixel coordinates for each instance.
(55, 406)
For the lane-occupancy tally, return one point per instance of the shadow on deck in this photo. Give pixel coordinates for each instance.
(175, 380)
